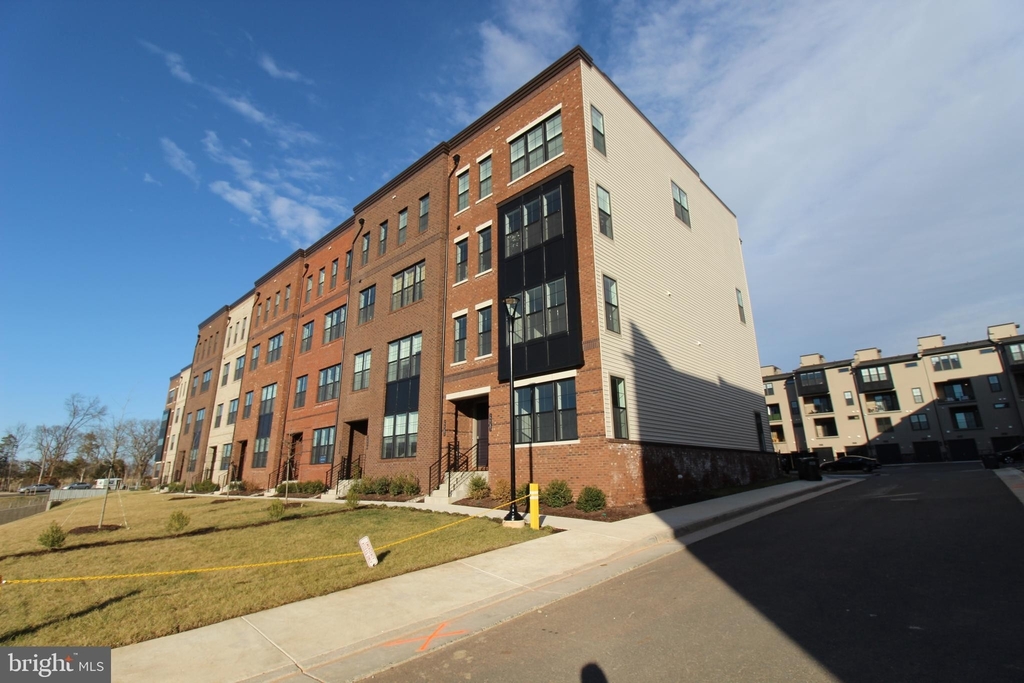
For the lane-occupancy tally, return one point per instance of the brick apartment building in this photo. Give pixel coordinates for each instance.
(384, 346)
(941, 403)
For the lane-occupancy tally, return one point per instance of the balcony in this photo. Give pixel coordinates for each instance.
(872, 409)
(774, 417)
(819, 410)
(951, 400)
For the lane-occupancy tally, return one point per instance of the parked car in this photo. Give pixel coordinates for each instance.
(36, 488)
(77, 485)
(850, 463)
(1011, 455)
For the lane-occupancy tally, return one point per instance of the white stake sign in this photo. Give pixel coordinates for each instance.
(371, 557)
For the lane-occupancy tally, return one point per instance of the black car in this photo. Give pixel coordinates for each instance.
(1011, 455)
(850, 463)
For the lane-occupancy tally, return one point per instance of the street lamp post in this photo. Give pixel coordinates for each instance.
(511, 306)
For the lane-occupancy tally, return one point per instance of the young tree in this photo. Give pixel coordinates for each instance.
(54, 442)
(13, 440)
(143, 437)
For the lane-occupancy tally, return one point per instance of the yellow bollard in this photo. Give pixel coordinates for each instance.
(534, 506)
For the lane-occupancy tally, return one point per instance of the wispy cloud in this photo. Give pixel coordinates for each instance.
(268, 64)
(177, 159)
(173, 61)
(150, 179)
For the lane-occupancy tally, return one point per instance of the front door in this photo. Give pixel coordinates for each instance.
(481, 418)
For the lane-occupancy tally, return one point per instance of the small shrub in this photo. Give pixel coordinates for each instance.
(478, 487)
(523, 494)
(276, 509)
(404, 485)
(501, 492)
(591, 499)
(313, 487)
(175, 487)
(177, 522)
(206, 486)
(380, 486)
(556, 494)
(352, 498)
(53, 537)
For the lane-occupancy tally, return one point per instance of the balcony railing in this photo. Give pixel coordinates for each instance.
(882, 409)
(774, 417)
(814, 410)
(958, 399)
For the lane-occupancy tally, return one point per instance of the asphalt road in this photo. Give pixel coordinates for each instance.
(913, 574)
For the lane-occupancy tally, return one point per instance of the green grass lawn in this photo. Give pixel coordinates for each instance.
(117, 612)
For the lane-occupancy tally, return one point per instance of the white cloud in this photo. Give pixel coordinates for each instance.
(173, 61)
(178, 160)
(268, 64)
(149, 179)
(238, 198)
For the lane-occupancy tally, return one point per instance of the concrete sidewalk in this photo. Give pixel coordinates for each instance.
(368, 628)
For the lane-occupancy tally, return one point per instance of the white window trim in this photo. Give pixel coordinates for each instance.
(553, 377)
(533, 170)
(456, 314)
(460, 238)
(483, 226)
(540, 119)
(484, 304)
(468, 393)
(458, 362)
(542, 444)
(485, 155)
(462, 211)
(486, 196)
(459, 172)
(486, 355)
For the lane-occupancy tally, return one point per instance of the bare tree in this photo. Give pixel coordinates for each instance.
(14, 439)
(143, 440)
(54, 442)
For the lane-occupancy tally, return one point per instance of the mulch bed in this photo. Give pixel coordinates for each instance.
(388, 498)
(93, 529)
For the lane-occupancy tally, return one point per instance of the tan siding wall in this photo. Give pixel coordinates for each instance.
(691, 367)
(235, 347)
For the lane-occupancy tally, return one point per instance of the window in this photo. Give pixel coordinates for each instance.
(263, 426)
(232, 411)
(483, 332)
(485, 177)
(740, 306)
(812, 378)
(321, 277)
(274, 347)
(1001, 405)
(769, 389)
(277, 302)
(818, 404)
(348, 265)
(218, 414)
(334, 273)
(918, 396)
(194, 454)
(334, 324)
(681, 205)
(946, 362)
(403, 225)
(965, 418)
(460, 339)
(366, 249)
(300, 391)
(994, 384)
(257, 321)
(523, 224)
(309, 289)
(254, 360)
(401, 399)
(323, 446)
(287, 297)
(207, 376)
(611, 304)
(367, 298)
(1016, 352)
(195, 385)
(407, 286)
(955, 391)
(330, 383)
(848, 396)
(463, 196)
(462, 261)
(870, 375)
(188, 423)
(537, 145)
(225, 453)
(546, 412)
(247, 409)
(484, 248)
(424, 212)
(919, 422)
(825, 428)
(382, 243)
(361, 374)
(307, 337)
(224, 375)
(619, 422)
(604, 211)
(883, 424)
(544, 309)
(774, 413)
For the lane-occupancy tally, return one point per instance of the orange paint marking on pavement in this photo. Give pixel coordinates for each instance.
(426, 639)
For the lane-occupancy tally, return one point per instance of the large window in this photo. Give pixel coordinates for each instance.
(1016, 352)
(232, 411)
(919, 422)
(330, 383)
(382, 246)
(611, 304)
(484, 249)
(247, 409)
(367, 298)
(300, 391)
(462, 261)
(597, 128)
(546, 412)
(460, 339)
(254, 359)
(274, 347)
(424, 212)
(403, 225)
(681, 204)
(207, 376)
(361, 371)
(537, 145)
(878, 374)
(485, 177)
(524, 227)
(239, 366)
(962, 419)
(619, 420)
(225, 455)
(604, 211)
(323, 446)
(263, 426)
(407, 286)
(463, 196)
(883, 424)
(946, 362)
(813, 378)
(334, 324)
(544, 308)
(307, 337)
(402, 396)
(483, 332)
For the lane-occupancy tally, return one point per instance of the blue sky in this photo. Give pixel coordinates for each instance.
(157, 158)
